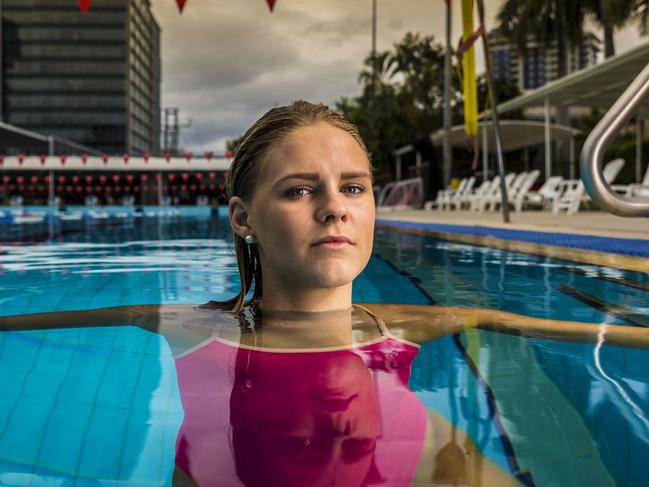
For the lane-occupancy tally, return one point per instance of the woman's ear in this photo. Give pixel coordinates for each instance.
(238, 217)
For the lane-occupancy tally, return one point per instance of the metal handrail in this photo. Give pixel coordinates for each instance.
(592, 154)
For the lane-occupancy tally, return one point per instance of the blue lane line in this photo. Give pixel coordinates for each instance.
(625, 246)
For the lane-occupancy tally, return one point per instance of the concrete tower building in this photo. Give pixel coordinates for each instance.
(93, 78)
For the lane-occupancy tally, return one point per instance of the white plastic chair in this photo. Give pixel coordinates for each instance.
(513, 184)
(494, 192)
(518, 198)
(459, 198)
(544, 197)
(574, 192)
(443, 198)
(91, 200)
(634, 189)
(476, 198)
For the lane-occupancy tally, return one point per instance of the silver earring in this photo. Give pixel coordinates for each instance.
(250, 239)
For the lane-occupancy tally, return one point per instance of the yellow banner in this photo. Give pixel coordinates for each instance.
(468, 67)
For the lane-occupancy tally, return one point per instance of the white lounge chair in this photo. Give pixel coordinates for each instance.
(574, 193)
(513, 185)
(443, 199)
(494, 192)
(477, 197)
(518, 198)
(544, 197)
(459, 199)
(634, 189)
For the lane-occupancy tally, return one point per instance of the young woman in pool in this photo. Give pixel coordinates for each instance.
(298, 386)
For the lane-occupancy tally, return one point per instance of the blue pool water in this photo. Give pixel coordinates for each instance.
(552, 412)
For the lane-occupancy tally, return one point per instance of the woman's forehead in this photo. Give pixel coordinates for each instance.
(314, 149)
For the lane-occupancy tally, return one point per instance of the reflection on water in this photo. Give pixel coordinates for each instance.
(91, 406)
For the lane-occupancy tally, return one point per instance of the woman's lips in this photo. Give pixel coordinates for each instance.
(338, 244)
(333, 242)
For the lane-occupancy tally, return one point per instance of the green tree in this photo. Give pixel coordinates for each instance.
(405, 103)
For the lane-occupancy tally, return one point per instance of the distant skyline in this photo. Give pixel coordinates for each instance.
(225, 62)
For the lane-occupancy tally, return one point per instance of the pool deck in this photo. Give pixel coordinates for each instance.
(589, 237)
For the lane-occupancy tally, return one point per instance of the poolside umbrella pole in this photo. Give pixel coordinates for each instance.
(494, 115)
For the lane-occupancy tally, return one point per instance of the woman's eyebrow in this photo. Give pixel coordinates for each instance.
(314, 176)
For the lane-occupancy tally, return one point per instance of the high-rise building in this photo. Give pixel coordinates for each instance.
(539, 64)
(92, 78)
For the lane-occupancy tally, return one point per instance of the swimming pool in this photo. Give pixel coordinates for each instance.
(551, 412)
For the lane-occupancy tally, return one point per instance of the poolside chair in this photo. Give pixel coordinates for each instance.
(524, 189)
(459, 198)
(494, 192)
(476, 198)
(16, 201)
(443, 198)
(91, 200)
(128, 200)
(544, 197)
(448, 201)
(512, 189)
(634, 189)
(574, 193)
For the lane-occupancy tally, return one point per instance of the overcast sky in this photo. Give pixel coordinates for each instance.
(225, 62)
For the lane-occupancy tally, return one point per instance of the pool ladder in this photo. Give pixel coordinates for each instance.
(592, 154)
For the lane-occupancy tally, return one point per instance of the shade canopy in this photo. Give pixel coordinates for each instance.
(597, 86)
(516, 134)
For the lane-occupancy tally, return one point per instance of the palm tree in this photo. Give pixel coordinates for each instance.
(611, 15)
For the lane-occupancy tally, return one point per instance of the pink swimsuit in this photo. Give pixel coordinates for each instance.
(277, 418)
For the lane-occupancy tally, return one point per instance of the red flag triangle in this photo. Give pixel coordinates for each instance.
(181, 5)
(271, 4)
(85, 5)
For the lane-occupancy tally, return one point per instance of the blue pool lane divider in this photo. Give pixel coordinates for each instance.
(626, 246)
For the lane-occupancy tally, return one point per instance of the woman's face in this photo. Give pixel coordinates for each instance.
(314, 185)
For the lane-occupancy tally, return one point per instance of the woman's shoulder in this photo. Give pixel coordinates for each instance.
(422, 323)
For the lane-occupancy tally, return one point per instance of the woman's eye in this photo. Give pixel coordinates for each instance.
(354, 188)
(298, 191)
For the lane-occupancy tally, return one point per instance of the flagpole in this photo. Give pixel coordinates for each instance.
(447, 102)
(494, 115)
(374, 68)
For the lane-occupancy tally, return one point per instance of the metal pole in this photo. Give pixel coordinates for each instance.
(50, 187)
(572, 157)
(638, 149)
(374, 67)
(447, 100)
(485, 152)
(548, 140)
(494, 115)
(159, 188)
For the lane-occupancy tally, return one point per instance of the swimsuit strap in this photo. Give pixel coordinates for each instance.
(383, 328)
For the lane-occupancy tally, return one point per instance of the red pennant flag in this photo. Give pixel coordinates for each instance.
(84, 5)
(181, 5)
(271, 4)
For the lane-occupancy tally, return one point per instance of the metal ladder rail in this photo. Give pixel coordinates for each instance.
(592, 153)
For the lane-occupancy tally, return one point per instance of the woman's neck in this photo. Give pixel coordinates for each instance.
(276, 298)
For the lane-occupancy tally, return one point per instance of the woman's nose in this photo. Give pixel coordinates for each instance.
(333, 207)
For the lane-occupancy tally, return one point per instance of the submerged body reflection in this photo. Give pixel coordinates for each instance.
(310, 415)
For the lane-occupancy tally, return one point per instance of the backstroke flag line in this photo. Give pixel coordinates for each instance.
(84, 5)
(468, 67)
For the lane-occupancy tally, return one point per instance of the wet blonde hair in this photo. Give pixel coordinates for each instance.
(271, 129)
